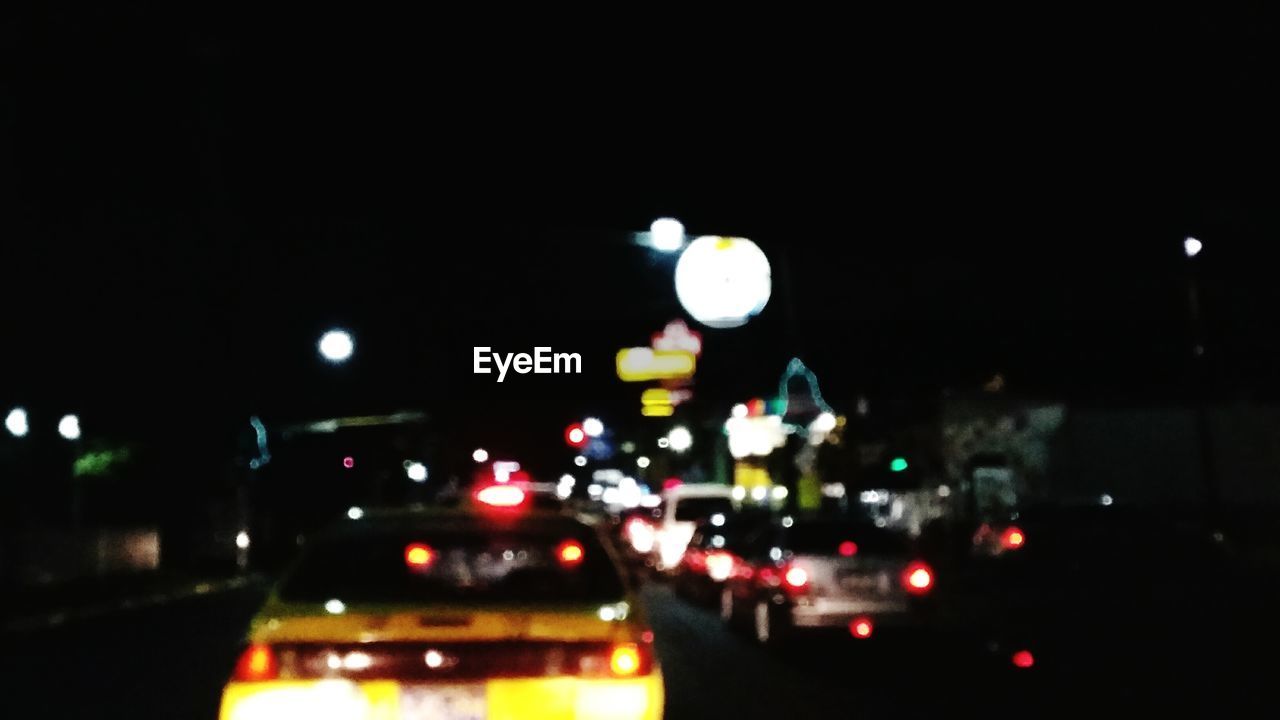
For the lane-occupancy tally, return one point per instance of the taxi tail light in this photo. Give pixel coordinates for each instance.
(1012, 538)
(419, 556)
(628, 659)
(917, 579)
(795, 579)
(257, 663)
(569, 554)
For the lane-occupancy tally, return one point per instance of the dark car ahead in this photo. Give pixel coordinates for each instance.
(805, 574)
(709, 561)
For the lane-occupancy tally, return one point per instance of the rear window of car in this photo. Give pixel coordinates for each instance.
(700, 508)
(825, 538)
(461, 567)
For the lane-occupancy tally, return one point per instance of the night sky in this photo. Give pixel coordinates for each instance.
(185, 217)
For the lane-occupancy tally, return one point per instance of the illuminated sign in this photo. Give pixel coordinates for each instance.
(641, 364)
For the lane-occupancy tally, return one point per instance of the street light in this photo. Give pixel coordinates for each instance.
(592, 427)
(480, 455)
(417, 472)
(1192, 247)
(642, 462)
(69, 427)
(16, 422)
(336, 346)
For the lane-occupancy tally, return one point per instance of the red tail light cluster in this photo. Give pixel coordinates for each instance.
(1012, 538)
(917, 579)
(419, 556)
(626, 659)
(257, 664)
(505, 497)
(861, 627)
(1023, 659)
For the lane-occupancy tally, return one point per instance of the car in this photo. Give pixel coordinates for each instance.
(801, 574)
(683, 506)
(489, 610)
(708, 560)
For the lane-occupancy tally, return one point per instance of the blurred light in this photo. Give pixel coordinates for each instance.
(69, 427)
(848, 548)
(833, 490)
(417, 472)
(680, 438)
(628, 447)
(503, 470)
(567, 479)
(593, 427)
(348, 462)
(788, 521)
(611, 496)
(501, 496)
(595, 490)
(256, 664)
(759, 493)
(1012, 538)
(356, 661)
(917, 578)
(642, 462)
(569, 553)
(717, 519)
(656, 396)
(16, 422)
(242, 540)
(564, 491)
(672, 483)
(719, 564)
(739, 493)
(642, 364)
(1023, 659)
(575, 435)
(624, 661)
(739, 411)
(944, 491)
(1106, 499)
(717, 541)
(860, 628)
(434, 659)
(657, 411)
(335, 607)
(677, 336)
(871, 497)
(355, 512)
(666, 234)
(336, 346)
(580, 461)
(640, 533)
(898, 464)
(796, 577)
(775, 554)
(418, 555)
(722, 282)
(664, 443)
(480, 455)
(1192, 247)
(779, 493)
(651, 501)
(826, 422)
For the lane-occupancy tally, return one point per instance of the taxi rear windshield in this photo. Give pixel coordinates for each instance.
(455, 567)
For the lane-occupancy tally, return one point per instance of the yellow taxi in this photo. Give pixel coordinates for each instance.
(487, 612)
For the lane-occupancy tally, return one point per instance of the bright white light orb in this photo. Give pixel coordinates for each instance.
(592, 427)
(242, 540)
(355, 512)
(642, 462)
(16, 422)
(417, 472)
(580, 461)
(69, 427)
(1192, 247)
(480, 455)
(680, 438)
(666, 234)
(336, 346)
(723, 282)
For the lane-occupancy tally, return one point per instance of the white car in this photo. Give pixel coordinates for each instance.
(683, 507)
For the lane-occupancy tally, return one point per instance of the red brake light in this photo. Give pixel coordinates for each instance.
(860, 627)
(917, 578)
(418, 555)
(1012, 538)
(795, 578)
(848, 548)
(501, 496)
(569, 553)
(256, 664)
(1023, 659)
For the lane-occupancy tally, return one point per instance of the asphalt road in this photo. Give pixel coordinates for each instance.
(169, 661)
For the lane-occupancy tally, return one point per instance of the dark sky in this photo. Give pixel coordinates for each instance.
(179, 201)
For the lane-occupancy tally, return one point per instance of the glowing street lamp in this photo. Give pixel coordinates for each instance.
(480, 455)
(69, 427)
(16, 422)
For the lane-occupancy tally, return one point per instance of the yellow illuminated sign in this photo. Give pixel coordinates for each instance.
(656, 396)
(642, 364)
(657, 411)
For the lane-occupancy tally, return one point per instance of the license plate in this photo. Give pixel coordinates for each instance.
(451, 702)
(878, 583)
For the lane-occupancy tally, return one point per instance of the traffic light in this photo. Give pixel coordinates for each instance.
(898, 464)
